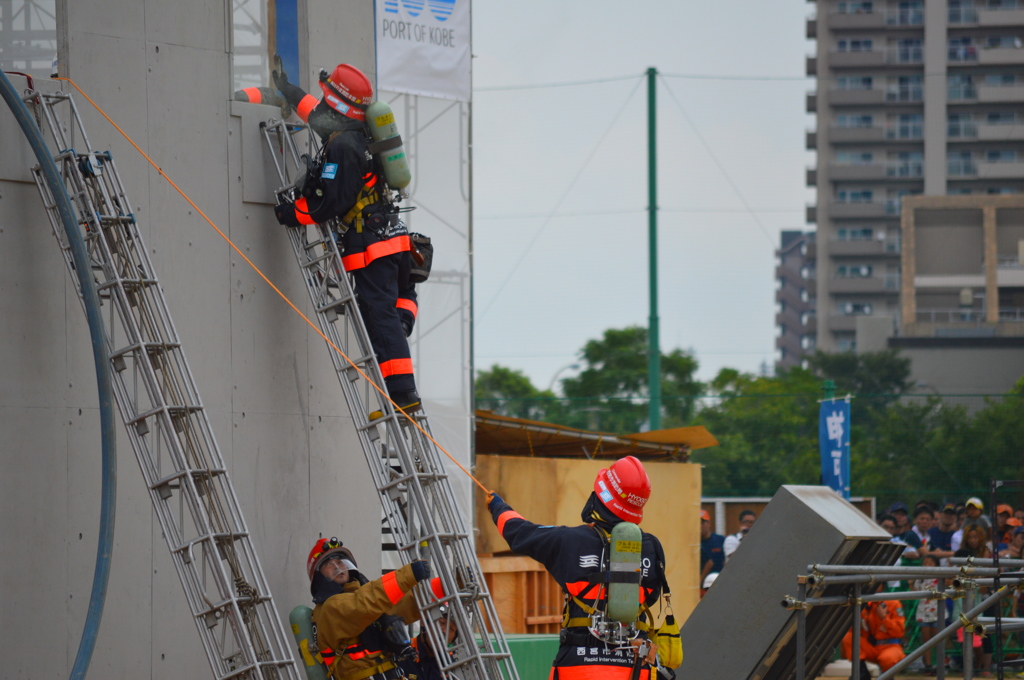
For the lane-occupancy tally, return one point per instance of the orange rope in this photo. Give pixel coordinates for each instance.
(273, 287)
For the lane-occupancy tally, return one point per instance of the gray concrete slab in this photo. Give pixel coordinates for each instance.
(189, 23)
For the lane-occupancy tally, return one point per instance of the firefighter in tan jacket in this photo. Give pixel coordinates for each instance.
(359, 624)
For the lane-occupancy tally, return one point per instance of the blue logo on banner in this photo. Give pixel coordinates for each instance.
(834, 444)
(441, 9)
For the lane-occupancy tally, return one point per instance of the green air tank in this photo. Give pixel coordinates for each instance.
(387, 145)
(301, 619)
(626, 546)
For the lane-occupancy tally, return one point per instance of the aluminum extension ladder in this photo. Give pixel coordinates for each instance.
(227, 593)
(415, 492)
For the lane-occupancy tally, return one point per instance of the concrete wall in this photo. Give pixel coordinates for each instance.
(162, 71)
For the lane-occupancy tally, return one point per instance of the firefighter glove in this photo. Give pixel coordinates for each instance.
(285, 214)
(491, 498)
(420, 570)
(280, 79)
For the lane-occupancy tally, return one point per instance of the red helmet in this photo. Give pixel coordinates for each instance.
(623, 488)
(348, 91)
(323, 549)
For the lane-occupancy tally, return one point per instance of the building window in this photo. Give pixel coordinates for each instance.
(908, 126)
(996, 41)
(853, 271)
(846, 344)
(907, 89)
(855, 234)
(855, 195)
(961, 87)
(855, 158)
(28, 37)
(910, 50)
(1000, 156)
(856, 308)
(855, 45)
(1000, 117)
(855, 120)
(855, 7)
(251, 39)
(1001, 79)
(961, 48)
(854, 82)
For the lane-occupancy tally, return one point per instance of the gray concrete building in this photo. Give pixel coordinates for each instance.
(795, 298)
(912, 97)
(962, 292)
(166, 73)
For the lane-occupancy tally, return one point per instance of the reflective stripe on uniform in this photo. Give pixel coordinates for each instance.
(254, 95)
(409, 305)
(596, 672)
(504, 517)
(396, 367)
(437, 588)
(306, 107)
(391, 587)
(302, 212)
(376, 251)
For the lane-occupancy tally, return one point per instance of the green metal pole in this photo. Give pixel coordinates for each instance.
(653, 344)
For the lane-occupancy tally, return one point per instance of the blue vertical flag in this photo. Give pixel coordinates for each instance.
(834, 442)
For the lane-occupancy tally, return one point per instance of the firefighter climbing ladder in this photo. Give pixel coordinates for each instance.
(406, 465)
(199, 514)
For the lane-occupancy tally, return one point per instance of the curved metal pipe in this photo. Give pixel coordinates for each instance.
(80, 254)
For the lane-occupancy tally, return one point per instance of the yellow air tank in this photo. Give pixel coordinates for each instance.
(387, 145)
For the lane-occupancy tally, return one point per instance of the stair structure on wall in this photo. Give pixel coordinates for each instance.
(193, 498)
(415, 491)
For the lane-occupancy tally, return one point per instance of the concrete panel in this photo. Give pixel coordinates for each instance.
(103, 18)
(259, 178)
(34, 532)
(191, 260)
(127, 613)
(189, 23)
(342, 498)
(340, 32)
(271, 474)
(17, 157)
(34, 293)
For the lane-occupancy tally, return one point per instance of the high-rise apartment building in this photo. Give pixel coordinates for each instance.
(912, 97)
(795, 298)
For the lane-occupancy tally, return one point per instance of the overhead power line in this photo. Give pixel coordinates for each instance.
(685, 76)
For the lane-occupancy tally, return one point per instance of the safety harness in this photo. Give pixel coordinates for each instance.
(368, 196)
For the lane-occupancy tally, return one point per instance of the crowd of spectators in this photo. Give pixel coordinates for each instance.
(933, 533)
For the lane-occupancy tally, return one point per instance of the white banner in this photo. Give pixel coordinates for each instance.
(423, 47)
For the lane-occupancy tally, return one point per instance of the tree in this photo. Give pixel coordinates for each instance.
(510, 392)
(767, 428)
(611, 392)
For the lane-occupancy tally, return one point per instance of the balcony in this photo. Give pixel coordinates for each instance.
(811, 66)
(850, 172)
(861, 20)
(812, 28)
(811, 178)
(811, 105)
(1011, 170)
(1001, 17)
(842, 322)
(864, 211)
(863, 248)
(988, 132)
(994, 94)
(811, 140)
(862, 60)
(874, 285)
(869, 97)
(856, 135)
(904, 95)
(789, 318)
(889, 170)
(999, 56)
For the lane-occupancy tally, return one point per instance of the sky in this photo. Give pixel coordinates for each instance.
(560, 175)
